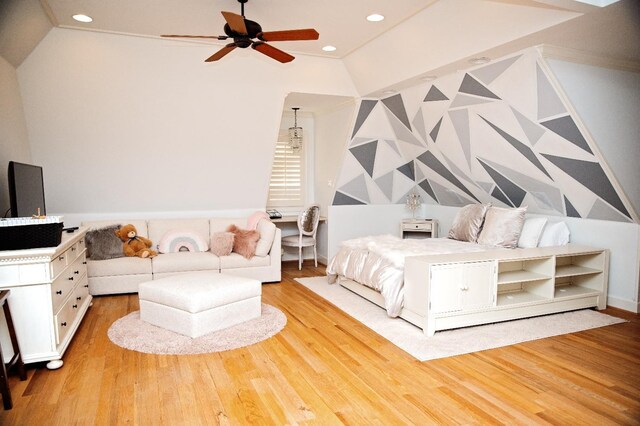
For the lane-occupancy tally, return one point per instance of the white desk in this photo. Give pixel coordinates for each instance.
(293, 219)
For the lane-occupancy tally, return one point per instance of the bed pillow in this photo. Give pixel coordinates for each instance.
(244, 241)
(502, 227)
(175, 241)
(222, 243)
(531, 232)
(554, 234)
(267, 231)
(468, 222)
(103, 243)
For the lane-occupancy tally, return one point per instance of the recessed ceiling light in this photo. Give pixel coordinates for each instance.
(375, 17)
(479, 61)
(82, 18)
(428, 77)
(388, 92)
(329, 48)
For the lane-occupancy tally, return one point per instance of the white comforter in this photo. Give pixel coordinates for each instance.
(378, 262)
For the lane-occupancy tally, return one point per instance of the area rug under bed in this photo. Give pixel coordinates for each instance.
(447, 343)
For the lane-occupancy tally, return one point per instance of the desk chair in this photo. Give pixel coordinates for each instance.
(307, 227)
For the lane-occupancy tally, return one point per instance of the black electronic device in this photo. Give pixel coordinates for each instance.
(274, 214)
(26, 190)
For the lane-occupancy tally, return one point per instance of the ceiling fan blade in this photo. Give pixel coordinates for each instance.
(194, 36)
(220, 53)
(289, 35)
(272, 52)
(236, 22)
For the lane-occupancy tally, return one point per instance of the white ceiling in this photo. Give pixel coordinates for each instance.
(341, 23)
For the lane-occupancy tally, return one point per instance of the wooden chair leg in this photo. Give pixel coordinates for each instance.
(300, 258)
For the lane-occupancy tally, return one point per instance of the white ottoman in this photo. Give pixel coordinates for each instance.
(199, 303)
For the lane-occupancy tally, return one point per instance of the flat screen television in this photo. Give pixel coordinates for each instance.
(26, 190)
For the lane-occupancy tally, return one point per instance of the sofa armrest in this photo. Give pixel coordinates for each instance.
(276, 248)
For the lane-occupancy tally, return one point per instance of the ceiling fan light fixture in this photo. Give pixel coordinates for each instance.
(329, 48)
(82, 18)
(375, 17)
(295, 133)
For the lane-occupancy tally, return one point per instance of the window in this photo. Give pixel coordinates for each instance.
(287, 184)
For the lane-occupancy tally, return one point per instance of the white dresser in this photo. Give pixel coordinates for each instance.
(49, 296)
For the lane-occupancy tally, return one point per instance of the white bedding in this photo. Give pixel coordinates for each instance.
(378, 262)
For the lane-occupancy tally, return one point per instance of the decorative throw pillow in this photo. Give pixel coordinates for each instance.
(103, 243)
(244, 241)
(554, 234)
(255, 218)
(531, 232)
(175, 241)
(468, 222)
(222, 243)
(502, 227)
(267, 231)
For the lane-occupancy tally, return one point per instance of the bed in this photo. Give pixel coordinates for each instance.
(374, 266)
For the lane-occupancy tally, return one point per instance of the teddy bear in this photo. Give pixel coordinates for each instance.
(134, 245)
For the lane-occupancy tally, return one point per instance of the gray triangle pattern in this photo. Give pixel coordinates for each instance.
(419, 174)
(460, 121)
(471, 86)
(499, 195)
(543, 192)
(522, 148)
(549, 104)
(602, 211)
(366, 155)
(490, 72)
(401, 131)
(408, 170)
(360, 141)
(435, 94)
(592, 177)
(566, 127)
(465, 100)
(366, 106)
(356, 188)
(393, 145)
(434, 164)
(426, 187)
(436, 130)
(508, 188)
(532, 130)
(571, 211)
(341, 199)
(418, 125)
(396, 106)
(385, 183)
(448, 197)
(487, 186)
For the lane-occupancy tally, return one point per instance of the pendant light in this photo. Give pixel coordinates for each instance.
(295, 133)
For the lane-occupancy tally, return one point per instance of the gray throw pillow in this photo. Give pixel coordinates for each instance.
(103, 243)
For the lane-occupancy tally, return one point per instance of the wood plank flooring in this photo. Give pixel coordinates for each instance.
(326, 368)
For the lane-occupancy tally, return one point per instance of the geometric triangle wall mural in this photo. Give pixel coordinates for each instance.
(499, 140)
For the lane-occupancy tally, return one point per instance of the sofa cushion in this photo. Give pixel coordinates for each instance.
(184, 262)
(119, 266)
(159, 227)
(220, 224)
(234, 260)
(141, 225)
(267, 230)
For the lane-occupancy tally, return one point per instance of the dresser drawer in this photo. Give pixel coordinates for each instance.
(80, 294)
(426, 226)
(58, 264)
(65, 283)
(64, 320)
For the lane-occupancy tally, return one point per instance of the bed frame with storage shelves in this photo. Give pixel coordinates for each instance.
(457, 290)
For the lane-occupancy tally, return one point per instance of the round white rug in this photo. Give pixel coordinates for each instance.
(130, 332)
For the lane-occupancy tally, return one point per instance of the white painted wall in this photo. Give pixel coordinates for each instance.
(608, 103)
(14, 140)
(130, 124)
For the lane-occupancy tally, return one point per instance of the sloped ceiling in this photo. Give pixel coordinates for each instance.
(417, 37)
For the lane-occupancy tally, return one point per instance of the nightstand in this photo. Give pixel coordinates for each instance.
(419, 228)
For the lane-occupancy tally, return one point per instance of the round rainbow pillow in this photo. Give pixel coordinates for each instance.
(177, 241)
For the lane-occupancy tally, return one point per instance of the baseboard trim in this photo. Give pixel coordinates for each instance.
(624, 304)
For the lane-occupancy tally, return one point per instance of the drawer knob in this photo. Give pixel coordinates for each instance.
(76, 272)
(63, 324)
(70, 278)
(84, 263)
(59, 292)
(86, 285)
(74, 306)
(78, 298)
(61, 258)
(73, 249)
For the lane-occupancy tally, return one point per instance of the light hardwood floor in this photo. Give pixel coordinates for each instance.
(326, 368)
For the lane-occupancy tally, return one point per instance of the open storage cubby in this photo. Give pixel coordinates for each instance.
(525, 281)
(579, 275)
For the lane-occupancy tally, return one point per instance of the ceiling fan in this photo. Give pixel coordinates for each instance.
(244, 33)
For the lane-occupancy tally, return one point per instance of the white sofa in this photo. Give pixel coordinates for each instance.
(122, 275)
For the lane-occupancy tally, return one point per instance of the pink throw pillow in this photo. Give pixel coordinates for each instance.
(252, 221)
(222, 243)
(245, 241)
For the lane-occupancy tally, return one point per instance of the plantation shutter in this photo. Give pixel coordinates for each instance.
(286, 187)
